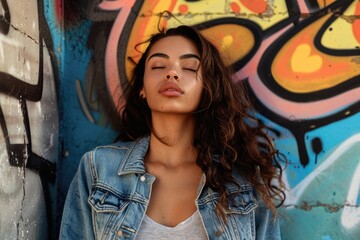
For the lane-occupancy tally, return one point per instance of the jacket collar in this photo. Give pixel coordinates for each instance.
(133, 161)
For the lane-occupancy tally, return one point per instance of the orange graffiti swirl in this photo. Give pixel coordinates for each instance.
(300, 67)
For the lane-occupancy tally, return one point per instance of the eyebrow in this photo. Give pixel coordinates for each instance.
(185, 56)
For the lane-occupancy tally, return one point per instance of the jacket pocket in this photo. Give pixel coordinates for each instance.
(103, 200)
(241, 202)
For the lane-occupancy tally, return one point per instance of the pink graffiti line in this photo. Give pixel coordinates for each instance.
(116, 5)
(111, 67)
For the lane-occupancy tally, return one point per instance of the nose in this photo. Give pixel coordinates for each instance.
(172, 74)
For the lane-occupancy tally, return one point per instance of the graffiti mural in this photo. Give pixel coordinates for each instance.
(28, 120)
(301, 62)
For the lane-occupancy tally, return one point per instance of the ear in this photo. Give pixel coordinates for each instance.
(142, 93)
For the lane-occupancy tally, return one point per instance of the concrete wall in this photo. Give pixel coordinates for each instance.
(29, 119)
(61, 71)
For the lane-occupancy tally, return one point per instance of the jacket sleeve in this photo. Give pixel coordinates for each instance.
(77, 217)
(267, 225)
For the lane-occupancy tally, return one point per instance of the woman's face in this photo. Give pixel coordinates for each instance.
(172, 78)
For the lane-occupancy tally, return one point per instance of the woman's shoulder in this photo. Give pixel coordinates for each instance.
(108, 152)
(118, 148)
(116, 156)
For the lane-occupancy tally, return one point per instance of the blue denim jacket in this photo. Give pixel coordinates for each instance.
(110, 192)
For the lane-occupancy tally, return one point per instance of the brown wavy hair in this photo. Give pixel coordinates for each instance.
(225, 126)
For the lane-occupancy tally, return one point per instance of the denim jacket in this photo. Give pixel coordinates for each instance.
(110, 192)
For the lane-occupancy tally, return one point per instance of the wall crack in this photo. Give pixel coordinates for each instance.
(331, 208)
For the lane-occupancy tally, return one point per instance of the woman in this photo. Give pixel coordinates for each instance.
(193, 163)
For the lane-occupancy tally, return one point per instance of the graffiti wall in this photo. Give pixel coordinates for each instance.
(28, 119)
(63, 65)
(301, 62)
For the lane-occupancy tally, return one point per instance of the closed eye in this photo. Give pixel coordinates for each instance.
(158, 67)
(190, 69)
(190, 65)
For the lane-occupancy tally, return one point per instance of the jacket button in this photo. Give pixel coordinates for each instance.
(218, 233)
(119, 233)
(142, 178)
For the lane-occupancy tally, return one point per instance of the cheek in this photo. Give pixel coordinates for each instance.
(197, 90)
(148, 83)
(199, 84)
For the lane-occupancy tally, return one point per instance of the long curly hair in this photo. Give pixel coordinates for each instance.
(226, 126)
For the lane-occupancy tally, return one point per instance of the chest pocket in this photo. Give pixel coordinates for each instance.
(102, 200)
(241, 202)
(241, 215)
(109, 210)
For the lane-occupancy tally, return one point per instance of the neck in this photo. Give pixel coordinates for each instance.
(171, 140)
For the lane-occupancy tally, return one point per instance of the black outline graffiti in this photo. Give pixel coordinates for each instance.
(321, 32)
(5, 19)
(299, 127)
(14, 87)
(264, 68)
(21, 154)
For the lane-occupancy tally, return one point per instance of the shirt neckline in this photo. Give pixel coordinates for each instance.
(182, 224)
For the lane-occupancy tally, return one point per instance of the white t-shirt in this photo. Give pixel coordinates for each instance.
(191, 228)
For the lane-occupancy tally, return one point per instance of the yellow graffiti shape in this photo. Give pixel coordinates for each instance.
(303, 61)
(236, 41)
(227, 42)
(264, 13)
(344, 31)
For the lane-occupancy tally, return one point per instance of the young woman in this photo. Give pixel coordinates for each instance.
(193, 162)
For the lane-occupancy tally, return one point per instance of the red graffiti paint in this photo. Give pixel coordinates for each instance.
(235, 8)
(183, 8)
(58, 9)
(256, 6)
(356, 24)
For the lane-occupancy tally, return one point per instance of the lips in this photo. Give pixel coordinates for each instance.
(170, 88)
